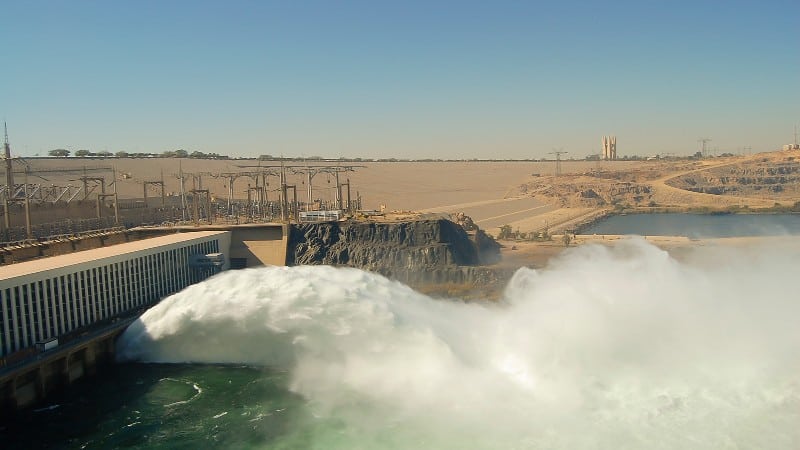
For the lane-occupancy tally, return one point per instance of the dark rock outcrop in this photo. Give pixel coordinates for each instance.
(425, 251)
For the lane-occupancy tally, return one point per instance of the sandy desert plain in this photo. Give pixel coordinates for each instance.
(525, 195)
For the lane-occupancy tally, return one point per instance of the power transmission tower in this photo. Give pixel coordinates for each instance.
(558, 154)
(309, 171)
(159, 184)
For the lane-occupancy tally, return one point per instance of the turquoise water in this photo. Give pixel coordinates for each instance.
(699, 353)
(164, 406)
(698, 225)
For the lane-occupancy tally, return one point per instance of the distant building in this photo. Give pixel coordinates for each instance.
(791, 147)
(609, 147)
(51, 298)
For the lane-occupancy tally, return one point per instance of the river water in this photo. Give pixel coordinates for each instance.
(698, 225)
(621, 347)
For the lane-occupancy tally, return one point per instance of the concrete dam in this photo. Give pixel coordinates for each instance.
(60, 315)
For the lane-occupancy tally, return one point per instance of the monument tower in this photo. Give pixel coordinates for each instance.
(609, 147)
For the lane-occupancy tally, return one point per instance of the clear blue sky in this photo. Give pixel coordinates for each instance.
(406, 79)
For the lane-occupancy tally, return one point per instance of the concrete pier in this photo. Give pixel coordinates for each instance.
(30, 381)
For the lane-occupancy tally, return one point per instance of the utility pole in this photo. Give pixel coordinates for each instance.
(116, 199)
(9, 184)
(231, 179)
(195, 207)
(558, 154)
(198, 191)
(9, 170)
(296, 212)
(28, 231)
(348, 208)
(160, 185)
(103, 196)
(183, 191)
(284, 201)
(310, 176)
(338, 192)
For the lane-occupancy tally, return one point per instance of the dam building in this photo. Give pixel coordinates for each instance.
(44, 299)
(60, 315)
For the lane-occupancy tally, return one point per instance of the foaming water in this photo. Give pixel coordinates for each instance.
(619, 347)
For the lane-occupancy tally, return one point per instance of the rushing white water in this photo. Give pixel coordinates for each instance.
(619, 347)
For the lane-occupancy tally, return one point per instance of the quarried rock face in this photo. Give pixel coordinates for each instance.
(428, 251)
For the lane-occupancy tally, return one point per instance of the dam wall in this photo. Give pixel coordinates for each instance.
(251, 245)
(31, 381)
(60, 315)
(415, 252)
(51, 297)
(51, 309)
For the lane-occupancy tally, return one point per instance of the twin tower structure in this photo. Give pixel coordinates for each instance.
(609, 147)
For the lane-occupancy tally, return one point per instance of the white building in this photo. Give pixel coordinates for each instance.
(52, 297)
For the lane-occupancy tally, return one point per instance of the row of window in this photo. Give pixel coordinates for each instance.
(49, 308)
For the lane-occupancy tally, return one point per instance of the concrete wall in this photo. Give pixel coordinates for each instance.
(260, 246)
(255, 244)
(31, 382)
(81, 289)
(85, 299)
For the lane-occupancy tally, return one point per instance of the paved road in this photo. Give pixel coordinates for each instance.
(494, 213)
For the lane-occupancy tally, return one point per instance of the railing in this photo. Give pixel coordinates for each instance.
(63, 227)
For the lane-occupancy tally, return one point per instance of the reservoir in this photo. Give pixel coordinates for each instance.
(698, 226)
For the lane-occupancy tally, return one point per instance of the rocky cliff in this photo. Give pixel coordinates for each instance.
(417, 252)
